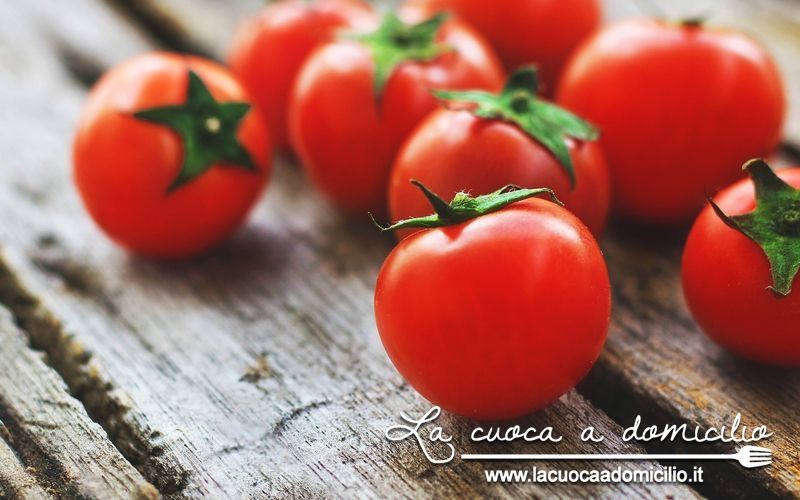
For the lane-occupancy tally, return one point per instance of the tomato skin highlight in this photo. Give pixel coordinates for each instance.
(347, 138)
(453, 151)
(725, 279)
(543, 32)
(123, 166)
(480, 317)
(269, 49)
(680, 107)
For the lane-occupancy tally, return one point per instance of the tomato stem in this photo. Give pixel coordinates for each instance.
(464, 207)
(207, 129)
(395, 42)
(774, 225)
(693, 22)
(519, 105)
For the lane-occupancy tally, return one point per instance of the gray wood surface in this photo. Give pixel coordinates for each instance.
(63, 449)
(257, 369)
(15, 480)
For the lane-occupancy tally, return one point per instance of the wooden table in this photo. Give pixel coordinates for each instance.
(257, 370)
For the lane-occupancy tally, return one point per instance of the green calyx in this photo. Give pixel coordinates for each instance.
(774, 225)
(464, 207)
(207, 129)
(519, 105)
(395, 42)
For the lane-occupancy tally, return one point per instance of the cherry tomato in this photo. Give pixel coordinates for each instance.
(164, 167)
(269, 49)
(727, 279)
(480, 316)
(681, 107)
(544, 32)
(349, 119)
(462, 150)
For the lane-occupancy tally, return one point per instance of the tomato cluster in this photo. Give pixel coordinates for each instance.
(492, 105)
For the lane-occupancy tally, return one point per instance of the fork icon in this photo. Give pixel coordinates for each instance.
(747, 456)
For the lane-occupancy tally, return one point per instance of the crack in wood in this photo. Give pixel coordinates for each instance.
(164, 30)
(77, 278)
(293, 414)
(84, 70)
(71, 362)
(605, 390)
(45, 471)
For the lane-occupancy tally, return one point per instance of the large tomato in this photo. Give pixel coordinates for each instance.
(480, 316)
(168, 155)
(681, 107)
(269, 48)
(356, 101)
(739, 270)
(544, 32)
(492, 144)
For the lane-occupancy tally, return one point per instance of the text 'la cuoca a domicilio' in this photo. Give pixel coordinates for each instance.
(437, 445)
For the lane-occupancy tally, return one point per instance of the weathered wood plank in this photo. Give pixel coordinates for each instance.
(15, 480)
(204, 27)
(660, 364)
(158, 353)
(51, 431)
(88, 27)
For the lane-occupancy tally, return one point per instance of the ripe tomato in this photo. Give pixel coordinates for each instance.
(269, 49)
(727, 275)
(493, 145)
(165, 168)
(349, 115)
(544, 32)
(681, 107)
(480, 316)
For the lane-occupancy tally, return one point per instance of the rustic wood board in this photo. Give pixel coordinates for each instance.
(64, 450)
(158, 354)
(15, 480)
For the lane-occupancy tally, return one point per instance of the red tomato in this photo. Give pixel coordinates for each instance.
(132, 173)
(480, 317)
(347, 136)
(269, 49)
(681, 107)
(455, 151)
(544, 32)
(726, 276)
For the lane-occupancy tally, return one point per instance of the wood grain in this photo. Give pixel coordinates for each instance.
(62, 448)
(160, 354)
(15, 480)
(662, 366)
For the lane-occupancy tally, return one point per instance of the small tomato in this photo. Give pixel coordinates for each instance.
(499, 139)
(541, 32)
(269, 49)
(740, 265)
(681, 107)
(478, 313)
(357, 100)
(169, 156)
